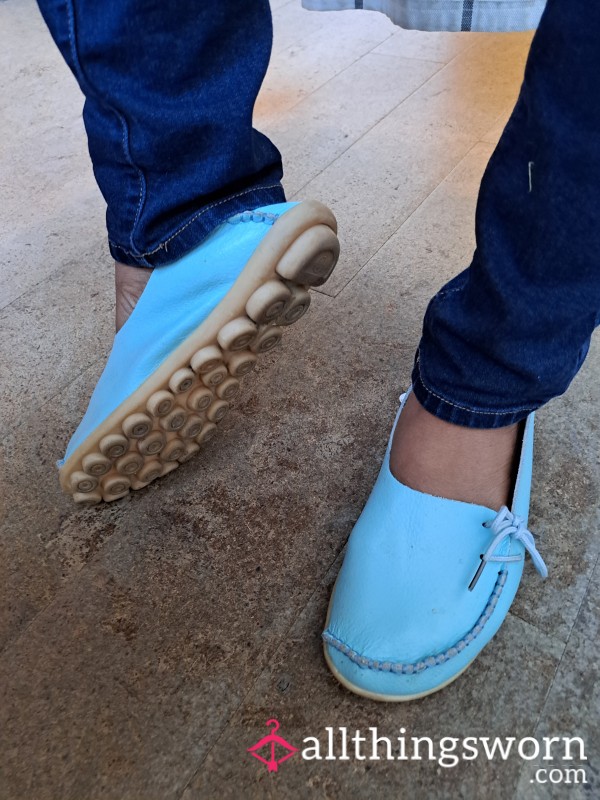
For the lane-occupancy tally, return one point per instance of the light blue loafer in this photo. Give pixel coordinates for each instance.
(425, 584)
(198, 327)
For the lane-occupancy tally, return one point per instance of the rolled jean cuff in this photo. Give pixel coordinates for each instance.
(193, 231)
(458, 411)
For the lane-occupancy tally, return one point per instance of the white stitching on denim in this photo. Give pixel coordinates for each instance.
(123, 122)
(385, 665)
(464, 408)
(142, 180)
(163, 245)
(445, 292)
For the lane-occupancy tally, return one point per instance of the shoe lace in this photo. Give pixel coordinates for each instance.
(508, 524)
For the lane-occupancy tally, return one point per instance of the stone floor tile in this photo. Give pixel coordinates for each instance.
(54, 332)
(297, 689)
(331, 121)
(441, 47)
(388, 173)
(292, 24)
(302, 68)
(571, 710)
(40, 112)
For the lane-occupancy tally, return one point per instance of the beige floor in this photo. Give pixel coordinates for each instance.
(146, 643)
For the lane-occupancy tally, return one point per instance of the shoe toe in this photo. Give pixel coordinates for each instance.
(402, 620)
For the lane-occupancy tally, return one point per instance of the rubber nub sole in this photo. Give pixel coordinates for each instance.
(178, 408)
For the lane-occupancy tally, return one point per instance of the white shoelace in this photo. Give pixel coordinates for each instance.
(508, 524)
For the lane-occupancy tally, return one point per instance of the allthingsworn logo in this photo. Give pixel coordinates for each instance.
(272, 749)
(553, 759)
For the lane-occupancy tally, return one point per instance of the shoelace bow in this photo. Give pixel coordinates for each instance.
(508, 524)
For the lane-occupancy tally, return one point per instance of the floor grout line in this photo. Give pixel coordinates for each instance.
(366, 132)
(333, 77)
(276, 650)
(406, 220)
(58, 392)
(442, 67)
(558, 666)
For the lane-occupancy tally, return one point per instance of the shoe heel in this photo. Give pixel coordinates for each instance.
(310, 259)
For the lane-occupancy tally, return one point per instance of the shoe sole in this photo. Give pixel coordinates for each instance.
(177, 409)
(383, 698)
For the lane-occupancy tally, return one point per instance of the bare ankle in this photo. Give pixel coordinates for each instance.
(451, 461)
(130, 282)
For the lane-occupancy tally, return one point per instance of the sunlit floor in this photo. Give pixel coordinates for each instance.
(147, 642)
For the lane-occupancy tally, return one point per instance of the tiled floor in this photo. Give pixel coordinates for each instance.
(143, 645)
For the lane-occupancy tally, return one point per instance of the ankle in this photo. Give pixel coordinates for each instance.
(130, 282)
(468, 464)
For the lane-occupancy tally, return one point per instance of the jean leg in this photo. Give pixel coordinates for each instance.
(511, 331)
(169, 93)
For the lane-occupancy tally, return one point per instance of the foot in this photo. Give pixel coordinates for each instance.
(130, 282)
(457, 463)
(426, 582)
(188, 331)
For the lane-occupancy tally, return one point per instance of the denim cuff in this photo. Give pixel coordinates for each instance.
(458, 411)
(191, 232)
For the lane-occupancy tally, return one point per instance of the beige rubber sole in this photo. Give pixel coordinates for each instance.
(177, 409)
(382, 698)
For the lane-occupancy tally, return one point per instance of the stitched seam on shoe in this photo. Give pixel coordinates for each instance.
(504, 412)
(164, 244)
(253, 216)
(399, 667)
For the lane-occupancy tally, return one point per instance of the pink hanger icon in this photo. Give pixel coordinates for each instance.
(272, 741)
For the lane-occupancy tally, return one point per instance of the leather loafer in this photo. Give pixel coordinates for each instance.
(425, 584)
(198, 327)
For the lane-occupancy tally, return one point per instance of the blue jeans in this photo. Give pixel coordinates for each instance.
(169, 92)
(510, 332)
(170, 89)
